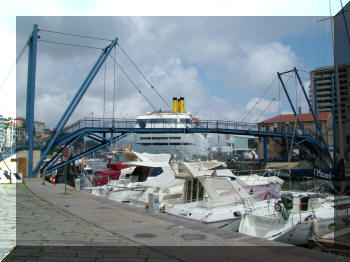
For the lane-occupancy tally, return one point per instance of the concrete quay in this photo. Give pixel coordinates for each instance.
(7, 219)
(52, 226)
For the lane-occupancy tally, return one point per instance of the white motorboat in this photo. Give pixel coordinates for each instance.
(214, 197)
(294, 219)
(148, 174)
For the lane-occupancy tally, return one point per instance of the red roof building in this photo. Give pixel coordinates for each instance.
(290, 118)
(276, 150)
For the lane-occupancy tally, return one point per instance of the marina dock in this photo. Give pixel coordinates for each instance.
(78, 226)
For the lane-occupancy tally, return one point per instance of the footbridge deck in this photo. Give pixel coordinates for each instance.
(106, 131)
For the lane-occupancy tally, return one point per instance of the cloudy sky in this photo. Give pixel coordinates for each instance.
(221, 58)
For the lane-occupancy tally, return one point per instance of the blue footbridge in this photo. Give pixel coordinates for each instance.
(107, 131)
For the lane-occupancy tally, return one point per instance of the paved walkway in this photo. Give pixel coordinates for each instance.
(52, 226)
(7, 218)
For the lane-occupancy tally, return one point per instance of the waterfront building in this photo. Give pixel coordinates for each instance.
(40, 130)
(10, 135)
(2, 132)
(320, 77)
(278, 149)
(20, 126)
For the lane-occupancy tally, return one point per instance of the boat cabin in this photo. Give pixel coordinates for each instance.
(305, 202)
(141, 173)
(209, 185)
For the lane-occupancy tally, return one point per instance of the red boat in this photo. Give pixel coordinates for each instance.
(102, 177)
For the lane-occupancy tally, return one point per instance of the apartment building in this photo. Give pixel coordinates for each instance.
(321, 78)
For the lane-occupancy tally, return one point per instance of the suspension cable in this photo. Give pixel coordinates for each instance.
(279, 98)
(84, 36)
(133, 83)
(259, 100)
(296, 94)
(21, 52)
(273, 99)
(104, 90)
(61, 43)
(115, 54)
(13, 65)
(144, 77)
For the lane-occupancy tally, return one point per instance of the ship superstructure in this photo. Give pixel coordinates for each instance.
(180, 145)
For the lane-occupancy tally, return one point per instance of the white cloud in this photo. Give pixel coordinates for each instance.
(218, 7)
(7, 73)
(264, 61)
(216, 63)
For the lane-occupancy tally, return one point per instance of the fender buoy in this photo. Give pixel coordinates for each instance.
(267, 196)
(315, 227)
(53, 180)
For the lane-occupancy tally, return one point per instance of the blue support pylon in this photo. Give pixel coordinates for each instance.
(315, 115)
(318, 129)
(76, 99)
(288, 97)
(105, 143)
(265, 149)
(32, 44)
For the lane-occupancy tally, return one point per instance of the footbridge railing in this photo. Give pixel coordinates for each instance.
(209, 125)
(105, 131)
(15, 149)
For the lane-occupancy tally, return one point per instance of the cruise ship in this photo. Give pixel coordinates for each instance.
(180, 146)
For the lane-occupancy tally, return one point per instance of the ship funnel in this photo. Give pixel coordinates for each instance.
(182, 105)
(175, 105)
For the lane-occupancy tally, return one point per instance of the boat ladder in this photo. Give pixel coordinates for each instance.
(248, 205)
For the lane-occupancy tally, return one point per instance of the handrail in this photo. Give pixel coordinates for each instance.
(89, 122)
(16, 148)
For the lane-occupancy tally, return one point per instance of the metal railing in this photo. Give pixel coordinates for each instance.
(89, 122)
(16, 148)
(11, 151)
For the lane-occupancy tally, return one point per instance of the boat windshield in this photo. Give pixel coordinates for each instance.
(156, 171)
(141, 173)
(195, 190)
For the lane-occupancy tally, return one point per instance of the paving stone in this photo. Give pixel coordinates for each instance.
(71, 229)
(7, 219)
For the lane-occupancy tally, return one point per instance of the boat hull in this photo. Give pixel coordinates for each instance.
(303, 232)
